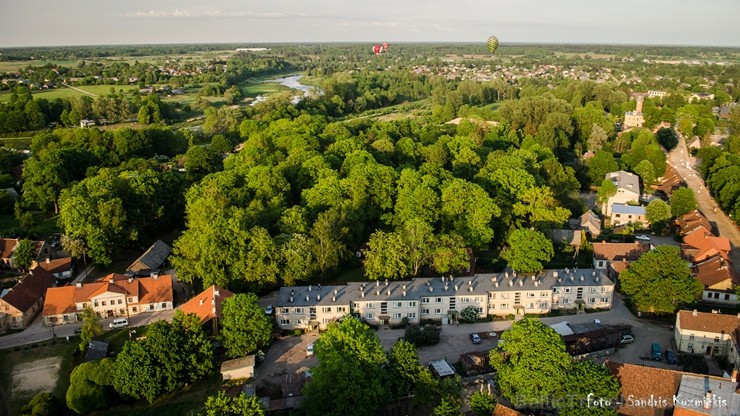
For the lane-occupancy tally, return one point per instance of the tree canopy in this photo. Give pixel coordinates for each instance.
(663, 271)
(528, 250)
(246, 328)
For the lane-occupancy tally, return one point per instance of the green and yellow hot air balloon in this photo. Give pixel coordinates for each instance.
(492, 44)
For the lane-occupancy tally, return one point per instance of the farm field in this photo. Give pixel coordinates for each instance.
(92, 90)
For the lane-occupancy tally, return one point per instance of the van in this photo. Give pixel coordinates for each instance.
(655, 353)
(118, 323)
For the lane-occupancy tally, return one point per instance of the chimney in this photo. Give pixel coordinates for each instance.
(291, 299)
(470, 288)
(362, 294)
(333, 298)
(154, 275)
(201, 301)
(335, 291)
(216, 293)
(78, 285)
(130, 279)
(511, 283)
(536, 283)
(319, 287)
(496, 284)
(318, 297)
(443, 278)
(377, 293)
(388, 292)
(506, 274)
(521, 283)
(404, 293)
(554, 274)
(48, 260)
(581, 278)
(404, 286)
(377, 283)
(111, 281)
(446, 286)
(567, 270)
(386, 282)
(431, 289)
(715, 311)
(694, 313)
(572, 278)
(470, 283)
(306, 298)
(457, 287)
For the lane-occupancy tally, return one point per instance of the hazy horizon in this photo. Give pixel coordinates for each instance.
(32, 23)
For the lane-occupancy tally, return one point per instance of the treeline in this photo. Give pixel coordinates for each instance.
(721, 171)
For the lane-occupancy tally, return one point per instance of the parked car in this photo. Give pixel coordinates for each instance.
(118, 323)
(597, 322)
(78, 331)
(642, 237)
(309, 350)
(655, 353)
(670, 356)
(475, 338)
(627, 339)
(269, 310)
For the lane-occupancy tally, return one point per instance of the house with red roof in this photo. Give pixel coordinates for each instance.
(115, 295)
(705, 333)
(206, 305)
(719, 279)
(8, 246)
(700, 244)
(21, 303)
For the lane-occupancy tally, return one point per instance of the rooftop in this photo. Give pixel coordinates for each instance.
(206, 304)
(707, 322)
(153, 258)
(628, 209)
(625, 180)
(30, 289)
(620, 251)
(708, 395)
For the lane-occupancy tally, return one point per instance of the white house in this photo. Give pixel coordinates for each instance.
(705, 333)
(628, 189)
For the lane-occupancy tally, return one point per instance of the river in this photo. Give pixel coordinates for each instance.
(292, 82)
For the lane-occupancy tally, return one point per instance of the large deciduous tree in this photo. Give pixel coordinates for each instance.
(91, 327)
(24, 254)
(660, 271)
(587, 387)
(683, 201)
(246, 328)
(667, 138)
(91, 386)
(528, 250)
(532, 364)
(349, 352)
(658, 213)
(172, 355)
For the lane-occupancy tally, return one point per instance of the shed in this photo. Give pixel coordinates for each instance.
(97, 350)
(238, 368)
(152, 259)
(442, 368)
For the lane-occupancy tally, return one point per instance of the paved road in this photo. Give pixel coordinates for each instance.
(37, 332)
(685, 165)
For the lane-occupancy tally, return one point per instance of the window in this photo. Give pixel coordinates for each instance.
(412, 304)
(326, 320)
(326, 309)
(121, 311)
(438, 311)
(691, 337)
(727, 296)
(465, 299)
(592, 290)
(130, 300)
(438, 300)
(567, 290)
(544, 294)
(425, 311)
(531, 306)
(84, 305)
(493, 306)
(102, 303)
(504, 306)
(716, 295)
(716, 339)
(492, 295)
(617, 215)
(164, 304)
(134, 310)
(285, 322)
(370, 305)
(544, 305)
(411, 315)
(151, 306)
(120, 301)
(424, 300)
(369, 316)
(298, 311)
(591, 300)
(399, 304)
(530, 294)
(604, 300)
(604, 289)
(284, 311)
(504, 295)
(396, 315)
(341, 309)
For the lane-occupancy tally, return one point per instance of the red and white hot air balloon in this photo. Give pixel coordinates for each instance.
(385, 46)
(377, 49)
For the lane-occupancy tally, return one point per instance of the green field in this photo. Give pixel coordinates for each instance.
(91, 90)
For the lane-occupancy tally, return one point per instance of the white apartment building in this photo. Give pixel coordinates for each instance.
(443, 298)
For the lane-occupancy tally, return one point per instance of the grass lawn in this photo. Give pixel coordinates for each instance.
(44, 224)
(92, 90)
(21, 143)
(352, 275)
(255, 88)
(27, 354)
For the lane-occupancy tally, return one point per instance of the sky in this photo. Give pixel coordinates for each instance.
(107, 22)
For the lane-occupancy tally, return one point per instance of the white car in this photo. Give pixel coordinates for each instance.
(269, 310)
(309, 350)
(642, 237)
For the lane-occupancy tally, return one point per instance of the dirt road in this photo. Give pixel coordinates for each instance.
(685, 165)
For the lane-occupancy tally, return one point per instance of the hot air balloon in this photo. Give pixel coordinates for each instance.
(492, 44)
(377, 49)
(385, 46)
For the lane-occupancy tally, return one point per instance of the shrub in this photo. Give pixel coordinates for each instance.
(469, 315)
(420, 336)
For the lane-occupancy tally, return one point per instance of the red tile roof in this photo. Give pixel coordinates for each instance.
(30, 289)
(203, 303)
(501, 410)
(691, 221)
(56, 265)
(148, 289)
(715, 323)
(6, 247)
(701, 244)
(716, 270)
(642, 383)
(620, 251)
